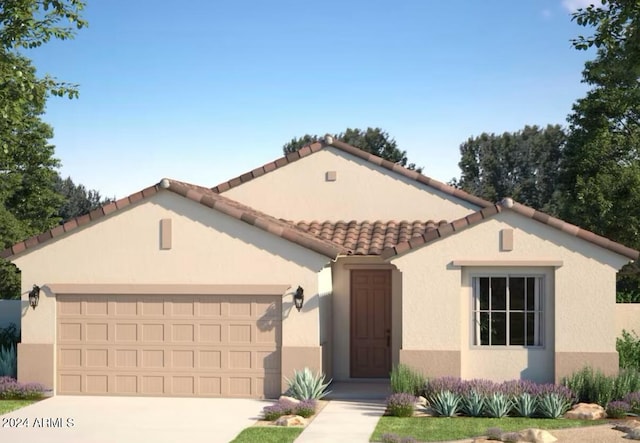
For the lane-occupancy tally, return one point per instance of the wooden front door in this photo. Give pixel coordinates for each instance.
(370, 323)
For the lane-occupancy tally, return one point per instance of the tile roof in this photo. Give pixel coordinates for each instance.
(200, 195)
(445, 230)
(368, 238)
(329, 141)
(384, 238)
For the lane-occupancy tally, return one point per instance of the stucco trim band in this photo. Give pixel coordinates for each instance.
(168, 289)
(433, 363)
(529, 263)
(566, 363)
(35, 363)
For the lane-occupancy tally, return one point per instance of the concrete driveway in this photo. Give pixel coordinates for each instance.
(71, 419)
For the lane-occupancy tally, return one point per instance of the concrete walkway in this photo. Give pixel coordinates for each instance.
(344, 421)
(352, 414)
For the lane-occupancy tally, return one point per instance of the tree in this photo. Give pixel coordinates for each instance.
(522, 165)
(28, 202)
(600, 176)
(77, 199)
(373, 140)
(599, 185)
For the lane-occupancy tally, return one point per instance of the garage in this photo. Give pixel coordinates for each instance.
(169, 345)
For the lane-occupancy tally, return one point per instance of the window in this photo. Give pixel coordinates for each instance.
(507, 310)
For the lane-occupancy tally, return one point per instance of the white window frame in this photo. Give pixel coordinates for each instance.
(539, 311)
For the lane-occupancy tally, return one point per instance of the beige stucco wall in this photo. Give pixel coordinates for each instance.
(208, 248)
(580, 296)
(362, 191)
(342, 312)
(627, 318)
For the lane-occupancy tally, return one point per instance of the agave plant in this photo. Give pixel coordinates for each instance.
(473, 404)
(498, 405)
(445, 403)
(8, 361)
(525, 404)
(307, 386)
(553, 405)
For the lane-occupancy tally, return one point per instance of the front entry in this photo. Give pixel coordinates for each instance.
(370, 323)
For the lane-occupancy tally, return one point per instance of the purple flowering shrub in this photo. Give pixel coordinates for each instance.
(401, 404)
(633, 398)
(394, 438)
(305, 408)
(618, 409)
(11, 389)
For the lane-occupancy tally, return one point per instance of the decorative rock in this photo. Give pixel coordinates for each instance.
(291, 420)
(290, 399)
(634, 434)
(421, 401)
(627, 426)
(586, 411)
(511, 437)
(533, 435)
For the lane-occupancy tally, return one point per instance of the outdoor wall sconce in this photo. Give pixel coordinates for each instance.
(34, 296)
(298, 298)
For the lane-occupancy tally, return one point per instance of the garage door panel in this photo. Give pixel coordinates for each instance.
(169, 345)
(97, 306)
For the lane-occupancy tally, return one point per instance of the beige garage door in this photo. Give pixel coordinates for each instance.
(169, 345)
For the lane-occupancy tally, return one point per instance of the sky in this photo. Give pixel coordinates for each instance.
(205, 90)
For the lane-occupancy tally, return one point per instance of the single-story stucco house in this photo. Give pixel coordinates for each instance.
(182, 290)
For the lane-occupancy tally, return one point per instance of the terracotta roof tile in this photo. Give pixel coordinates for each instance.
(365, 237)
(446, 229)
(201, 195)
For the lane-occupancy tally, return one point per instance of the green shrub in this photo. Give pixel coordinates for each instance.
(628, 380)
(628, 296)
(8, 361)
(628, 347)
(594, 387)
(403, 378)
(445, 403)
(306, 386)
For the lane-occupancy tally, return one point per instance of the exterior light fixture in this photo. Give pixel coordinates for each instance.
(34, 296)
(298, 298)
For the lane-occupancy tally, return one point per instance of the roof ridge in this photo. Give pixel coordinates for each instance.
(329, 141)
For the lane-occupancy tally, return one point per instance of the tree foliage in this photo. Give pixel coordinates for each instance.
(373, 140)
(28, 202)
(78, 200)
(600, 179)
(522, 165)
